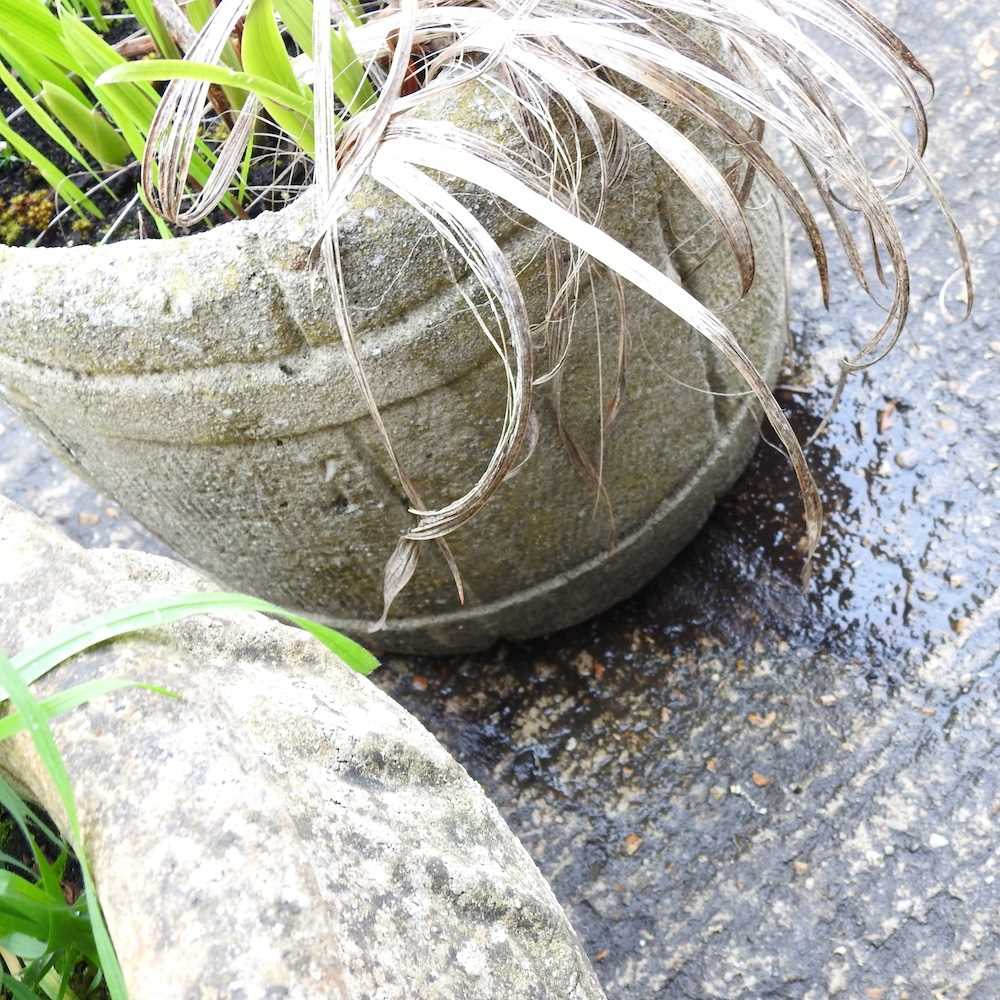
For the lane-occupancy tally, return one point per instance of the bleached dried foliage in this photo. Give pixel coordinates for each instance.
(574, 75)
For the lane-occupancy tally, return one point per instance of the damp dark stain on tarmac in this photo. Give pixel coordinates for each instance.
(691, 769)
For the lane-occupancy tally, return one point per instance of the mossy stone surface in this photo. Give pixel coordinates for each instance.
(283, 829)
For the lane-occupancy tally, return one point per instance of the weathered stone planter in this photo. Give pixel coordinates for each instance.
(284, 830)
(201, 383)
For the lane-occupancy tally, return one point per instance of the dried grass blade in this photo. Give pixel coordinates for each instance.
(173, 133)
(332, 198)
(463, 155)
(493, 270)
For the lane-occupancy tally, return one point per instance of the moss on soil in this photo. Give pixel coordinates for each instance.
(27, 213)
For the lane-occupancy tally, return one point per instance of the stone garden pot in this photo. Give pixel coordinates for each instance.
(284, 829)
(201, 383)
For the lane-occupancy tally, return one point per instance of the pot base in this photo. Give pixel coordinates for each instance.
(593, 586)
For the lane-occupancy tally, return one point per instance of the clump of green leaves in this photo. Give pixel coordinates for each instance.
(47, 945)
(45, 939)
(57, 63)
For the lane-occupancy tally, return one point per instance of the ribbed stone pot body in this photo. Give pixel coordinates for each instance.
(201, 382)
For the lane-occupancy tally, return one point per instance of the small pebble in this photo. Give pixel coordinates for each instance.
(584, 664)
(632, 843)
(86, 517)
(935, 841)
(908, 459)
(418, 682)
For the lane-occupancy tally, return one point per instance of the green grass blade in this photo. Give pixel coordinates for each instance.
(36, 27)
(53, 176)
(33, 67)
(198, 12)
(244, 180)
(296, 16)
(42, 118)
(350, 83)
(38, 660)
(352, 8)
(17, 990)
(43, 913)
(175, 69)
(355, 656)
(10, 862)
(18, 895)
(263, 47)
(90, 127)
(166, 233)
(65, 701)
(93, 8)
(22, 814)
(10, 54)
(145, 13)
(49, 874)
(45, 746)
(22, 937)
(131, 107)
(264, 55)
(63, 991)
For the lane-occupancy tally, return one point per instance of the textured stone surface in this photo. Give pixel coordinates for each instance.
(900, 620)
(201, 383)
(285, 830)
